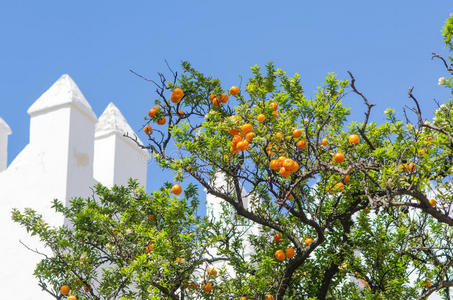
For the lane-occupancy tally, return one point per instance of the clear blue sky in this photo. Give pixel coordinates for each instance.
(386, 44)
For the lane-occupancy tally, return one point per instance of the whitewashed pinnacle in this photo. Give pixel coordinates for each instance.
(4, 127)
(63, 91)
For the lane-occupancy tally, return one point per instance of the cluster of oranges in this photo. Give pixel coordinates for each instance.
(241, 139)
(411, 167)
(217, 101)
(176, 95)
(286, 166)
(280, 255)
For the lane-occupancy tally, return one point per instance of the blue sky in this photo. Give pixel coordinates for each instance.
(386, 44)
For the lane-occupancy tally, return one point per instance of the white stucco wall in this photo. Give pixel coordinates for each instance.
(57, 163)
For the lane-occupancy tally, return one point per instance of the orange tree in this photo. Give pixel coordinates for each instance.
(352, 209)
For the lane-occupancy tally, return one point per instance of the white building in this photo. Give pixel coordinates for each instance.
(69, 151)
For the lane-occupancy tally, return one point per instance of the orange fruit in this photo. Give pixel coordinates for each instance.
(151, 217)
(324, 142)
(428, 284)
(175, 98)
(181, 113)
(234, 149)
(249, 136)
(346, 179)
(279, 135)
(261, 118)
(297, 133)
(280, 161)
(148, 130)
(284, 172)
(411, 167)
(269, 297)
(308, 241)
(212, 272)
(243, 298)
(233, 132)
(236, 139)
(149, 247)
(290, 252)
(72, 297)
(178, 92)
(152, 112)
(354, 139)
(234, 90)
(422, 151)
(64, 290)
(290, 196)
(432, 202)
(216, 102)
(207, 287)
(162, 121)
(176, 189)
(302, 144)
(275, 114)
(224, 98)
(274, 105)
(287, 164)
(277, 237)
(274, 164)
(339, 187)
(339, 157)
(246, 128)
(280, 255)
(211, 97)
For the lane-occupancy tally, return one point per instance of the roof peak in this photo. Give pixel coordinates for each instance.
(5, 127)
(113, 121)
(63, 91)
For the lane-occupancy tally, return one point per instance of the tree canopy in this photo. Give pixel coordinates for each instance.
(341, 209)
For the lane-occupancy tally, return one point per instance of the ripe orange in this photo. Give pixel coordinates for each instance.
(236, 139)
(422, 151)
(308, 241)
(297, 133)
(72, 297)
(64, 290)
(246, 128)
(274, 105)
(277, 237)
(249, 136)
(178, 92)
(274, 164)
(242, 145)
(428, 284)
(152, 112)
(212, 272)
(234, 149)
(290, 196)
(269, 297)
(279, 135)
(243, 298)
(302, 144)
(290, 252)
(284, 172)
(176, 189)
(261, 118)
(224, 98)
(181, 113)
(275, 114)
(280, 255)
(148, 130)
(354, 139)
(288, 164)
(207, 287)
(162, 121)
(339, 187)
(432, 202)
(233, 132)
(339, 157)
(216, 101)
(234, 90)
(346, 179)
(324, 142)
(280, 161)
(174, 98)
(149, 247)
(411, 167)
(211, 97)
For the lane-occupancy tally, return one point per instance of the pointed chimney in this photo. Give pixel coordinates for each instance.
(117, 158)
(4, 132)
